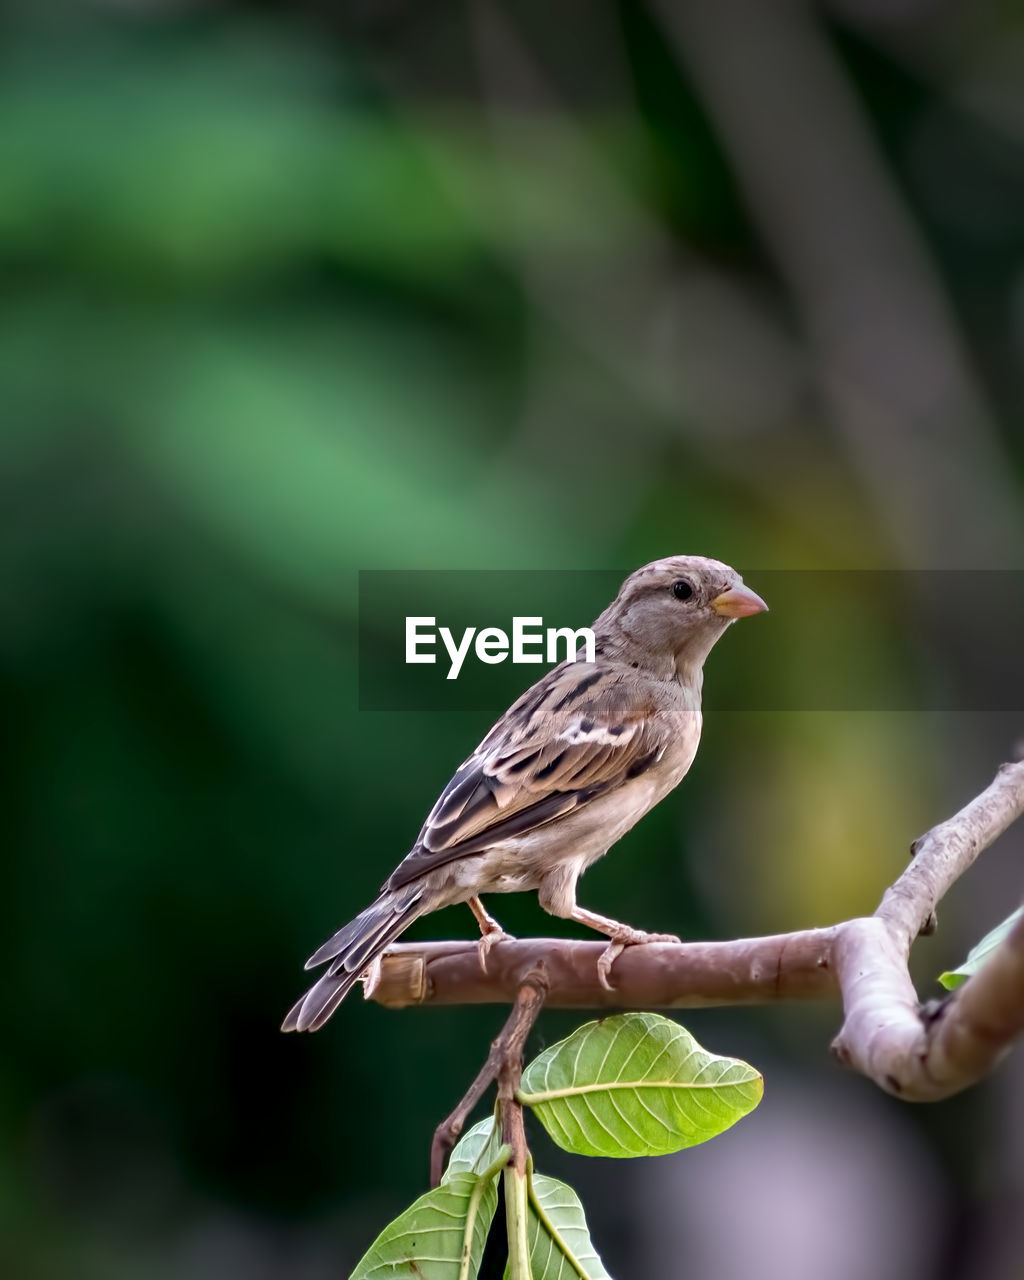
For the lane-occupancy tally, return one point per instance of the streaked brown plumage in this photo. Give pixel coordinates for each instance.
(569, 768)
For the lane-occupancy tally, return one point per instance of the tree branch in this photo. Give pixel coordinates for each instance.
(922, 1055)
(885, 1035)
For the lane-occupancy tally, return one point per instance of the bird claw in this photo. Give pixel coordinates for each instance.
(488, 940)
(605, 961)
(618, 944)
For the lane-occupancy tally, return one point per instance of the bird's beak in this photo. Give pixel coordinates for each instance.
(738, 602)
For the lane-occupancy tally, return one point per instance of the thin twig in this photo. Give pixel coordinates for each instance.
(505, 1064)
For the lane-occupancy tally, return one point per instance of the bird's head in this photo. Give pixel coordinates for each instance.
(669, 614)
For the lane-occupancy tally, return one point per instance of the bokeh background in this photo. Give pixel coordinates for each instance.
(294, 290)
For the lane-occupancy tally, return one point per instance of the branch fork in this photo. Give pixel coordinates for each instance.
(914, 1053)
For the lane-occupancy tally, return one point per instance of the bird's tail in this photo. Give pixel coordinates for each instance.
(350, 952)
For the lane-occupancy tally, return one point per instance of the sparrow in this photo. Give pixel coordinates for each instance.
(575, 762)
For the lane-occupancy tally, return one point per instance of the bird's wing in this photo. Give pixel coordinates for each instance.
(581, 731)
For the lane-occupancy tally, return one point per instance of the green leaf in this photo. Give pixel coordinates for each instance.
(636, 1084)
(430, 1238)
(559, 1239)
(475, 1152)
(977, 955)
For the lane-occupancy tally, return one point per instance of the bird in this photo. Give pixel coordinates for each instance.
(572, 765)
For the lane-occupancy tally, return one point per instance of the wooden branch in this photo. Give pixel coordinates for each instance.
(914, 1053)
(788, 966)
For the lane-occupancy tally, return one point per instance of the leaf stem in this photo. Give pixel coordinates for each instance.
(473, 1207)
(516, 1213)
(550, 1227)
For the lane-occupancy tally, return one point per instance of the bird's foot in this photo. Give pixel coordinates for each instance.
(628, 937)
(491, 933)
(488, 940)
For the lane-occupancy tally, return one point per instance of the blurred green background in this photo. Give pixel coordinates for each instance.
(293, 290)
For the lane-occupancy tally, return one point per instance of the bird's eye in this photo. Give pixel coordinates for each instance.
(682, 590)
